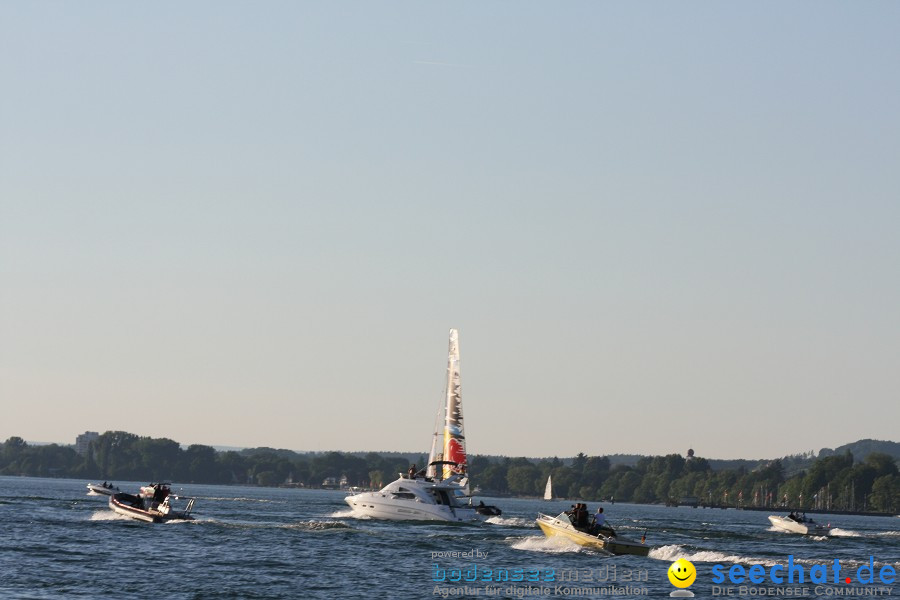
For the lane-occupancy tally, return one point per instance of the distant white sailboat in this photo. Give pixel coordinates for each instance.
(548, 491)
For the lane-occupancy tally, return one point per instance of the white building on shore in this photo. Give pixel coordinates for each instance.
(84, 440)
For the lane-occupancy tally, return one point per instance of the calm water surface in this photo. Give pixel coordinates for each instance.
(58, 542)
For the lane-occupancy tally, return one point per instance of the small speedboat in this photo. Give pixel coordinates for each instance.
(799, 523)
(105, 489)
(487, 510)
(155, 509)
(605, 540)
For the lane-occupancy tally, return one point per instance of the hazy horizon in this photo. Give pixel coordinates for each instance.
(656, 226)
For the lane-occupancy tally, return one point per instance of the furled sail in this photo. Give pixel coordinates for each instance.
(454, 434)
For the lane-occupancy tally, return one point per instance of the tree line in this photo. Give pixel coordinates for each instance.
(835, 482)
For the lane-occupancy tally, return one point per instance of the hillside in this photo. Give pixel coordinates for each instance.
(863, 448)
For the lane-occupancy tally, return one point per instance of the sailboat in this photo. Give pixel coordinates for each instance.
(548, 491)
(439, 492)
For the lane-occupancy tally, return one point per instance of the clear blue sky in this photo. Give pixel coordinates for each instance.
(656, 225)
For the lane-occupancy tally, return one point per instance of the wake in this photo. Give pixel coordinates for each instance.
(674, 552)
(347, 514)
(551, 545)
(511, 521)
(108, 515)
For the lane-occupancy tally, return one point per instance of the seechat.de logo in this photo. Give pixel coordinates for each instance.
(791, 573)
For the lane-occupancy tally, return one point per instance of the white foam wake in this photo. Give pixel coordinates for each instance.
(108, 515)
(191, 521)
(511, 521)
(674, 551)
(844, 533)
(552, 545)
(347, 514)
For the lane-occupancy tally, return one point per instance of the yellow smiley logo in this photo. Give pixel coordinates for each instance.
(682, 573)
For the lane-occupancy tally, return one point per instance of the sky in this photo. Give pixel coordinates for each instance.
(656, 225)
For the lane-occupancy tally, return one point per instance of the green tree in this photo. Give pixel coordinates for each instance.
(202, 465)
(267, 478)
(596, 469)
(886, 494)
(522, 479)
(493, 478)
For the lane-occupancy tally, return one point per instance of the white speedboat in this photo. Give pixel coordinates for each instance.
(604, 539)
(439, 492)
(157, 508)
(799, 523)
(104, 489)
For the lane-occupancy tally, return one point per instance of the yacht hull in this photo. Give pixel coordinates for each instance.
(375, 505)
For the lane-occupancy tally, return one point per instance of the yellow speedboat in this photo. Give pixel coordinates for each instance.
(606, 540)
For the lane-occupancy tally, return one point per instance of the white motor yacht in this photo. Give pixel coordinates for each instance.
(418, 499)
(439, 492)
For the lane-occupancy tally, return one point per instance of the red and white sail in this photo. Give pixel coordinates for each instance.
(454, 433)
(452, 439)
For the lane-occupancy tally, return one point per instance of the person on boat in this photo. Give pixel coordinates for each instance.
(411, 474)
(160, 492)
(581, 516)
(572, 513)
(599, 526)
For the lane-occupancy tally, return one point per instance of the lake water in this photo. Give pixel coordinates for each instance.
(58, 542)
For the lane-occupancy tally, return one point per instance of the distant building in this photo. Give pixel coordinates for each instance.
(690, 453)
(84, 440)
